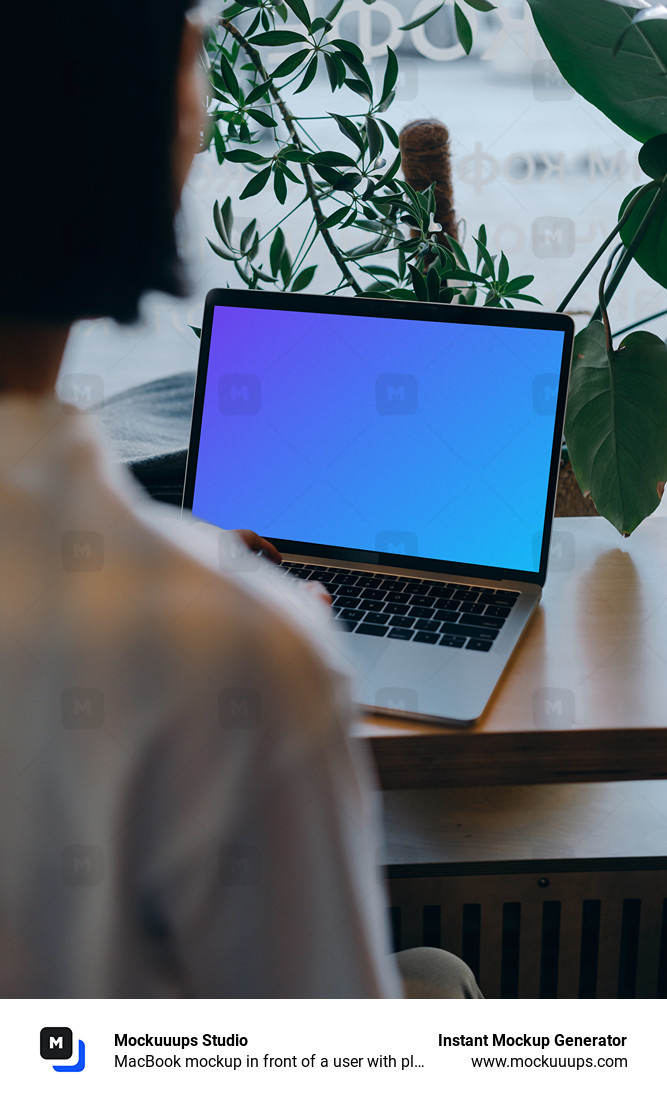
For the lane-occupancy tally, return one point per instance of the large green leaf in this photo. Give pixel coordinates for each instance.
(616, 424)
(651, 252)
(630, 86)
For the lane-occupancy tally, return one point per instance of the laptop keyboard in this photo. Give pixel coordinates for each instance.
(408, 609)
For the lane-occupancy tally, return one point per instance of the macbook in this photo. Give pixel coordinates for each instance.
(403, 454)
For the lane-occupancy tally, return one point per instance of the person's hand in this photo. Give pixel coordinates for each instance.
(320, 591)
(260, 545)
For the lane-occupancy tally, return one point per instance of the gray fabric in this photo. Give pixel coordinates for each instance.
(148, 428)
(432, 974)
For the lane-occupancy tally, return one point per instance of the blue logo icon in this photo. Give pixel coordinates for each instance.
(56, 1044)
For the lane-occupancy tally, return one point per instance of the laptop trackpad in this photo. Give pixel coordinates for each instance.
(433, 681)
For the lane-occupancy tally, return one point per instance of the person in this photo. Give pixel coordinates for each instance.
(183, 810)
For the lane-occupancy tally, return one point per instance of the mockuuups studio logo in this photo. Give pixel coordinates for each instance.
(81, 390)
(553, 238)
(239, 394)
(397, 541)
(553, 708)
(82, 708)
(239, 708)
(548, 84)
(545, 392)
(397, 698)
(82, 550)
(56, 1044)
(396, 394)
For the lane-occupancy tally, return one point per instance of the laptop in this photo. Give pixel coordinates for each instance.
(403, 454)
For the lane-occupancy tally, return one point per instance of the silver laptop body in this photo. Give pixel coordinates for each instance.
(486, 386)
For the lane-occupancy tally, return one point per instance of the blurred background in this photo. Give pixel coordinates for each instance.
(541, 168)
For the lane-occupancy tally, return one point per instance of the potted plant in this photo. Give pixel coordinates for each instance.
(613, 54)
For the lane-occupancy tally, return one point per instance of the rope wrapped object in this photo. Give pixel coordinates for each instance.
(424, 146)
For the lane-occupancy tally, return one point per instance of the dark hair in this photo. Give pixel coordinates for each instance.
(86, 186)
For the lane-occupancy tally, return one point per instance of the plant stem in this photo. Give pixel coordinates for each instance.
(284, 218)
(602, 307)
(606, 242)
(627, 257)
(289, 120)
(635, 324)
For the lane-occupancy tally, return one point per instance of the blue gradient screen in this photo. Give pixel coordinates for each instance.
(425, 438)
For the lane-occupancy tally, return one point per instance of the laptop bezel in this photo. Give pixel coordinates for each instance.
(406, 310)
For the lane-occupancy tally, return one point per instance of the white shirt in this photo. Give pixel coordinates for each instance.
(182, 810)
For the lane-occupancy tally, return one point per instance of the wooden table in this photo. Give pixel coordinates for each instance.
(585, 696)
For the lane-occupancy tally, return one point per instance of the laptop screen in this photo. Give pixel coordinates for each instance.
(417, 438)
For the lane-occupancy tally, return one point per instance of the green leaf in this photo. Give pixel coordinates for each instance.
(276, 250)
(279, 186)
(244, 156)
(390, 132)
(652, 251)
(629, 87)
(523, 297)
(349, 130)
(246, 235)
(309, 74)
(290, 64)
(290, 152)
(657, 12)
(197, 331)
(256, 184)
(519, 283)
(304, 278)
(222, 252)
(285, 268)
(259, 274)
(481, 5)
(332, 71)
(463, 28)
(258, 92)
(233, 10)
(277, 38)
(615, 425)
(391, 172)
(289, 174)
(503, 269)
(253, 26)
(377, 270)
(262, 118)
(347, 47)
(384, 104)
(359, 69)
(300, 10)
(653, 157)
(374, 137)
(219, 219)
(432, 283)
(359, 88)
(390, 74)
(333, 159)
(320, 24)
(460, 255)
(228, 76)
(333, 12)
(489, 263)
(227, 217)
(422, 19)
(335, 218)
(418, 283)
